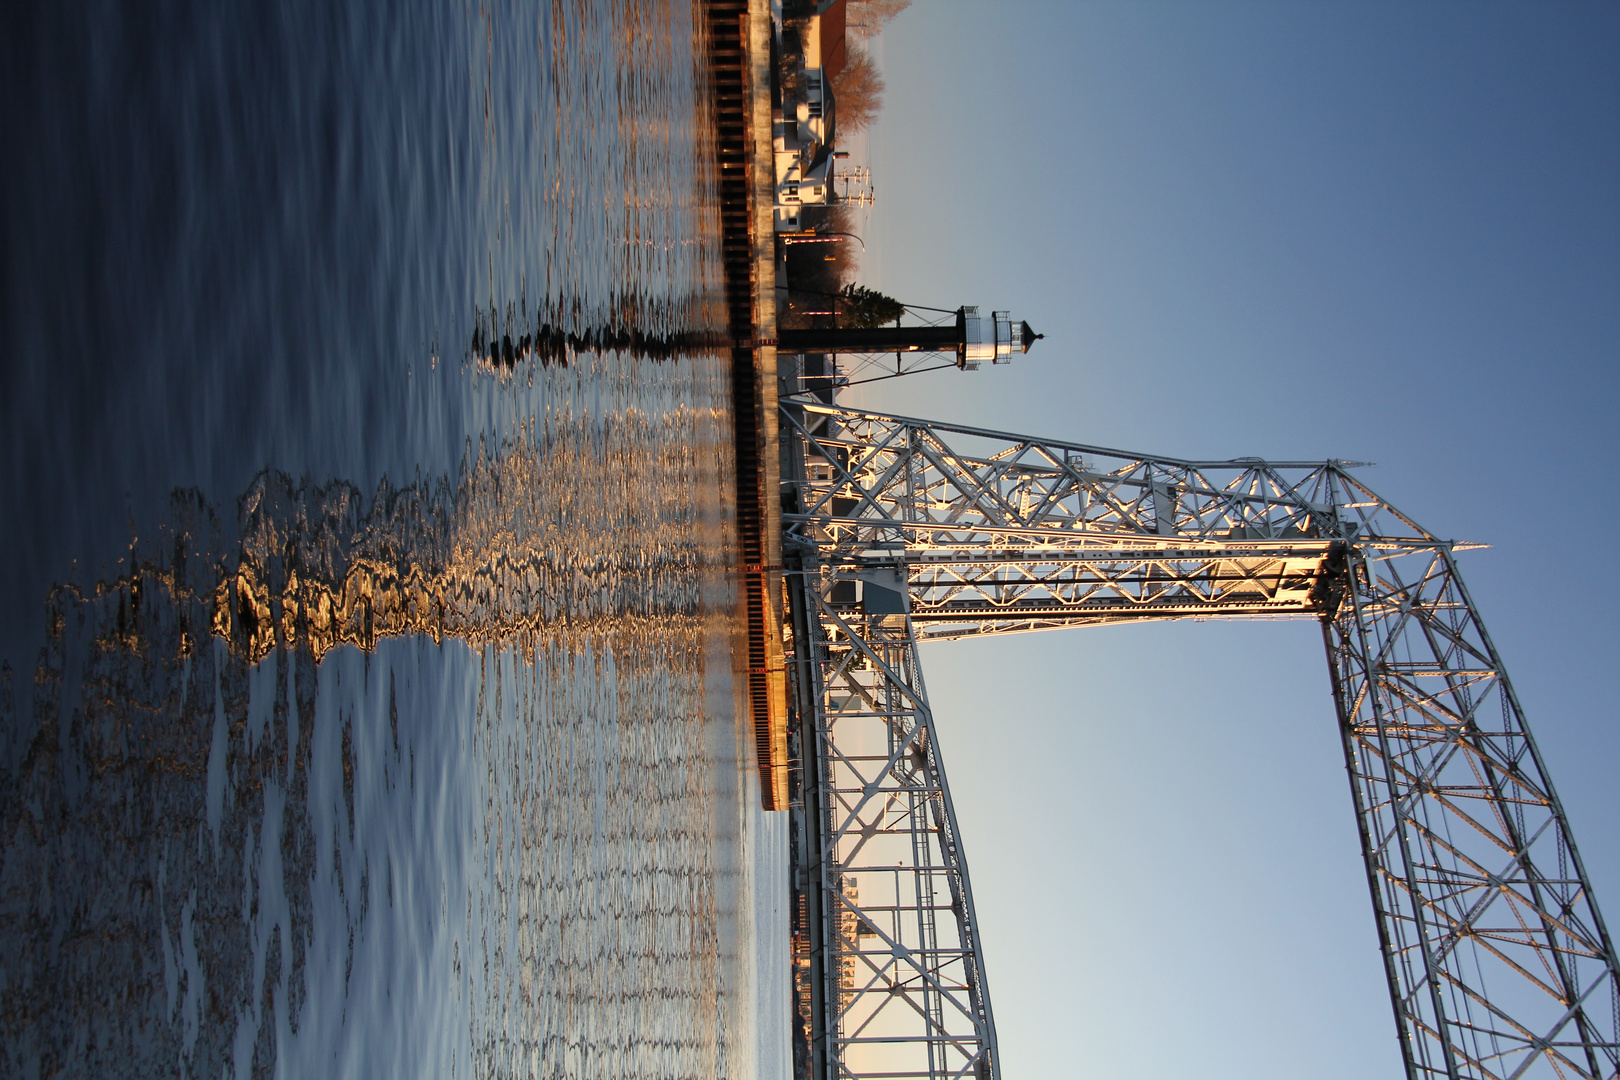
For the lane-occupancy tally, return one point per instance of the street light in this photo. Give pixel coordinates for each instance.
(810, 236)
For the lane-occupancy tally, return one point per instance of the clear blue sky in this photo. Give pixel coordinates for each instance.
(1376, 231)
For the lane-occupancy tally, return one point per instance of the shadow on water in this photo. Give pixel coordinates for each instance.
(504, 341)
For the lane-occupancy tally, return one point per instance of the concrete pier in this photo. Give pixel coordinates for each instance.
(740, 71)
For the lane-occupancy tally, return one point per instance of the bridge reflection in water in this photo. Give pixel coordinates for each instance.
(900, 531)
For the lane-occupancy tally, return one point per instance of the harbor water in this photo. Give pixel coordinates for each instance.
(368, 704)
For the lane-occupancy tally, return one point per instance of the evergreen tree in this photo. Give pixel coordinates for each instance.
(860, 306)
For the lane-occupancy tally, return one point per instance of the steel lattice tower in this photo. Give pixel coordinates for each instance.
(902, 531)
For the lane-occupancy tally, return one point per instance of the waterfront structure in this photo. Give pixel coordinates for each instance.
(897, 531)
(968, 336)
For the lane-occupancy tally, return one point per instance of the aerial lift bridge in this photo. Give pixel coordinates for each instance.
(898, 531)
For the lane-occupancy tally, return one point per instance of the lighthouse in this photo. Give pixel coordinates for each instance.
(973, 338)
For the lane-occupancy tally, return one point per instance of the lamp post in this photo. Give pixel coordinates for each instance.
(810, 236)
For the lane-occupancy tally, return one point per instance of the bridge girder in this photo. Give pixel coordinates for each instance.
(906, 531)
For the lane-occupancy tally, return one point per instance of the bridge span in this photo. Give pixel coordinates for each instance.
(897, 531)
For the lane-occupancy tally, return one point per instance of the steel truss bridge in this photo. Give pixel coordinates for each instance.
(899, 531)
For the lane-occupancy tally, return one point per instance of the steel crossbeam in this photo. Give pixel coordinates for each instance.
(903, 531)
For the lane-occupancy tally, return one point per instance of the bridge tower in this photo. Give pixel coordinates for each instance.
(898, 531)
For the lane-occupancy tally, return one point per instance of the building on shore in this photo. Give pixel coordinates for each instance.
(805, 129)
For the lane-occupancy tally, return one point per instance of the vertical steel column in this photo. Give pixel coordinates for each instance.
(902, 989)
(810, 815)
(1498, 959)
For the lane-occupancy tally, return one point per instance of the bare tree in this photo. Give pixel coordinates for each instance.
(867, 18)
(858, 91)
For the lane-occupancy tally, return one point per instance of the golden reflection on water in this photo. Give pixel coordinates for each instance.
(465, 744)
(519, 548)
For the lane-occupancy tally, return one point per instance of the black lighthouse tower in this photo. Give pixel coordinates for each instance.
(973, 338)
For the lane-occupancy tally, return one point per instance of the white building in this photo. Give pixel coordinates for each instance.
(804, 142)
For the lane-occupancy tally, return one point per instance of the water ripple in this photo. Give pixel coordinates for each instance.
(310, 771)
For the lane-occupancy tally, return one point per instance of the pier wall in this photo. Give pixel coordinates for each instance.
(740, 71)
